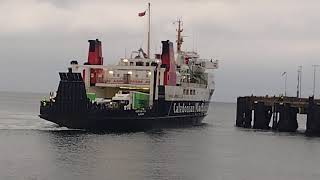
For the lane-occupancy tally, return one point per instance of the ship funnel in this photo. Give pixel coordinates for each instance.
(168, 62)
(95, 53)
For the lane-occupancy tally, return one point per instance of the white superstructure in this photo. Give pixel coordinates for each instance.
(184, 76)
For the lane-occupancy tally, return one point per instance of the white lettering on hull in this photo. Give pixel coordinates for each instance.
(182, 108)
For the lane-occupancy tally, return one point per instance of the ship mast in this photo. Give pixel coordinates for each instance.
(179, 36)
(149, 20)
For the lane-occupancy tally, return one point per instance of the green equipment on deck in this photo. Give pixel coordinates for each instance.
(91, 96)
(140, 100)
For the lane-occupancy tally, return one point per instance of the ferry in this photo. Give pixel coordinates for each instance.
(141, 92)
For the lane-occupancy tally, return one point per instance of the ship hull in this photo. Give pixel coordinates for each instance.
(85, 121)
(72, 109)
(94, 117)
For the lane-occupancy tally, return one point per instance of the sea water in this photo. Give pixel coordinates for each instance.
(33, 149)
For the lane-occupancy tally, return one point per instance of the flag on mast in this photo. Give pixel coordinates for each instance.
(142, 14)
(284, 73)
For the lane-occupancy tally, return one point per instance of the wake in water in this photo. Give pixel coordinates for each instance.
(25, 121)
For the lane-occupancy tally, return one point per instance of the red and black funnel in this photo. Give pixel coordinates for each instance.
(95, 53)
(167, 61)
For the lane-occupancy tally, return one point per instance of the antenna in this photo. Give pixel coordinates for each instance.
(179, 36)
(299, 82)
(193, 41)
(196, 42)
(149, 21)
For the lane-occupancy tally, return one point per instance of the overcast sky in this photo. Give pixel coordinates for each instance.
(255, 41)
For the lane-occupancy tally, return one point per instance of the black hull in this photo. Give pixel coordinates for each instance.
(123, 123)
(72, 109)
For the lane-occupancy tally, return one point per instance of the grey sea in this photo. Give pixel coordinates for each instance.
(33, 149)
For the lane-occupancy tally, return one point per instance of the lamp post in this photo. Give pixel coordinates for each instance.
(314, 78)
(299, 82)
(285, 83)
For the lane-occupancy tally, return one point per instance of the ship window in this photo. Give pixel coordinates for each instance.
(139, 63)
(184, 92)
(147, 63)
(137, 75)
(118, 75)
(187, 92)
(131, 63)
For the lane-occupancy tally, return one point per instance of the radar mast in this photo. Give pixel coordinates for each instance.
(179, 36)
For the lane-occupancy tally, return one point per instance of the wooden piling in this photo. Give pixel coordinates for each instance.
(261, 116)
(244, 113)
(240, 112)
(313, 118)
(287, 118)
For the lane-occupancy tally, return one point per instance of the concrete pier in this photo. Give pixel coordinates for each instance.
(282, 111)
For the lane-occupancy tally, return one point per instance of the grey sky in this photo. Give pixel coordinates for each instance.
(255, 40)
